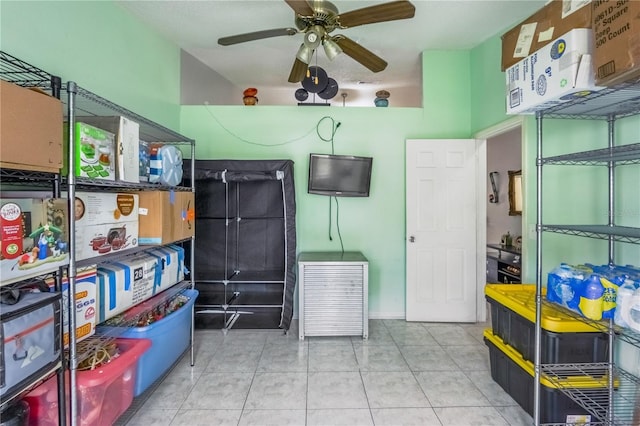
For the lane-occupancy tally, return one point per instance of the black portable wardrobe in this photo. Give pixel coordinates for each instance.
(246, 246)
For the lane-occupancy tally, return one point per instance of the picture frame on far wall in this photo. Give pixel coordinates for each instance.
(515, 192)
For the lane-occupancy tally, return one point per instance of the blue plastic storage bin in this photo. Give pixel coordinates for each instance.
(170, 337)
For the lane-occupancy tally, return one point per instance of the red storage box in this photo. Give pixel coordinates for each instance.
(103, 394)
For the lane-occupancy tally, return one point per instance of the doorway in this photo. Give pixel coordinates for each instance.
(504, 157)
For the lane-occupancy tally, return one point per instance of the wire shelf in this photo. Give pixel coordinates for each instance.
(28, 178)
(596, 399)
(621, 155)
(623, 234)
(89, 104)
(622, 333)
(119, 186)
(24, 74)
(622, 100)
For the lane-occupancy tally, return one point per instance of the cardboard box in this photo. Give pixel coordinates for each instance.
(554, 19)
(127, 140)
(616, 26)
(85, 303)
(105, 223)
(559, 72)
(34, 237)
(126, 283)
(31, 130)
(166, 216)
(94, 152)
(171, 258)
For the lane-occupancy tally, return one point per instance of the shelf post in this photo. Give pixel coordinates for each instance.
(610, 333)
(192, 261)
(538, 331)
(71, 195)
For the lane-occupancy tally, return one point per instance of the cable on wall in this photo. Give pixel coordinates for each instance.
(334, 128)
(337, 222)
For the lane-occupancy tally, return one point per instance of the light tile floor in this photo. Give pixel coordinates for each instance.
(404, 374)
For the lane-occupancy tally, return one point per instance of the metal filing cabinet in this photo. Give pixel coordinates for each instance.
(333, 294)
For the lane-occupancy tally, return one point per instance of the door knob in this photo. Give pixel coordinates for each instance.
(412, 239)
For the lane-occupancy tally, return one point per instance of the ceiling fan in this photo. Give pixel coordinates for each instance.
(316, 19)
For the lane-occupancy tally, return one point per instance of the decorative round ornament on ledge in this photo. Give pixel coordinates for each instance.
(382, 98)
(249, 96)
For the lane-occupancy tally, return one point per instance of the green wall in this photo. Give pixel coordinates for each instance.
(446, 93)
(102, 48)
(373, 225)
(487, 85)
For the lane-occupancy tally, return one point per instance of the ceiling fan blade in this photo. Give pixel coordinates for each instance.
(301, 7)
(360, 54)
(257, 35)
(298, 71)
(391, 11)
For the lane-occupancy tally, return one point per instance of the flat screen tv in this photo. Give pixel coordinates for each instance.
(339, 175)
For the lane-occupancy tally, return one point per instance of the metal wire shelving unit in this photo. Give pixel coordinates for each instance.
(78, 103)
(16, 71)
(82, 102)
(615, 401)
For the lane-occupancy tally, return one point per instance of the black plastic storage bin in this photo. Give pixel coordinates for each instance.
(564, 338)
(516, 377)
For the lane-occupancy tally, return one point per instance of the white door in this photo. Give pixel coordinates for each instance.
(441, 216)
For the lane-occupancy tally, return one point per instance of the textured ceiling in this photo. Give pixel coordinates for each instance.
(195, 26)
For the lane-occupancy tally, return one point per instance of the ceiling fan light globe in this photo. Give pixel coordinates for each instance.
(312, 39)
(304, 54)
(331, 49)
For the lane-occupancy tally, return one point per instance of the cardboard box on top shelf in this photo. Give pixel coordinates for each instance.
(127, 148)
(616, 26)
(34, 238)
(105, 223)
(556, 18)
(31, 129)
(559, 72)
(166, 216)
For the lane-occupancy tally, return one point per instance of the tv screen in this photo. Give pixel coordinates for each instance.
(339, 175)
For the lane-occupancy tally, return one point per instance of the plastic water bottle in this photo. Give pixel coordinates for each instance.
(611, 279)
(559, 284)
(591, 298)
(628, 305)
(625, 292)
(564, 285)
(611, 285)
